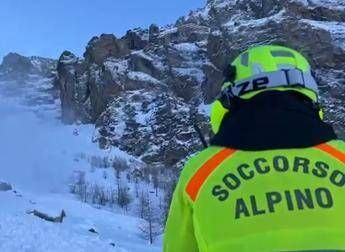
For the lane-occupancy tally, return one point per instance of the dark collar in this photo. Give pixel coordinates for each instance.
(273, 120)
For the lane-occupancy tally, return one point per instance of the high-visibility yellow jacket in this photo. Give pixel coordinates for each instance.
(277, 200)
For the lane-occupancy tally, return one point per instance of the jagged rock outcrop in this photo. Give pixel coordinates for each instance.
(136, 40)
(153, 33)
(105, 46)
(15, 61)
(316, 28)
(74, 91)
(16, 66)
(21, 75)
(4, 186)
(144, 90)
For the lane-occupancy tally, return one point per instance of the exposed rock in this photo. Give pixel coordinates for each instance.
(153, 33)
(18, 62)
(213, 83)
(92, 230)
(318, 11)
(21, 75)
(136, 39)
(218, 51)
(184, 33)
(5, 187)
(103, 47)
(74, 90)
(102, 88)
(313, 29)
(147, 88)
(140, 62)
(16, 66)
(192, 32)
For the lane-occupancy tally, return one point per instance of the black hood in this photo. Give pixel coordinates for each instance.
(273, 120)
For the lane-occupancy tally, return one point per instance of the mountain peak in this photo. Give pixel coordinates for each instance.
(15, 63)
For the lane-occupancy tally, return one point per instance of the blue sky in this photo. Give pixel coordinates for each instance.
(47, 27)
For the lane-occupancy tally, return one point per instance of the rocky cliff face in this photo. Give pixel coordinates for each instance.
(144, 100)
(15, 66)
(145, 91)
(32, 78)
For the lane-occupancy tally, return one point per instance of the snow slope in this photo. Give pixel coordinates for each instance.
(38, 157)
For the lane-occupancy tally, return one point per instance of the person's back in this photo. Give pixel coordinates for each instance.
(273, 177)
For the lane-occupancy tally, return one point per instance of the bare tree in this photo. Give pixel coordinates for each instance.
(112, 197)
(123, 196)
(155, 181)
(150, 226)
(120, 164)
(79, 185)
(95, 191)
(137, 175)
(168, 194)
(143, 202)
(84, 192)
(105, 174)
(136, 186)
(103, 199)
(99, 162)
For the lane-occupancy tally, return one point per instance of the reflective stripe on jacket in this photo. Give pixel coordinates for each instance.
(273, 200)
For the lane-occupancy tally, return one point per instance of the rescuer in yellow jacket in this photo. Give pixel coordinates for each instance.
(273, 178)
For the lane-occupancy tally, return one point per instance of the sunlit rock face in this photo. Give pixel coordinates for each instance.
(145, 99)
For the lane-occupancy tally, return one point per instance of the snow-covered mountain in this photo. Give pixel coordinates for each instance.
(149, 86)
(103, 136)
(43, 161)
